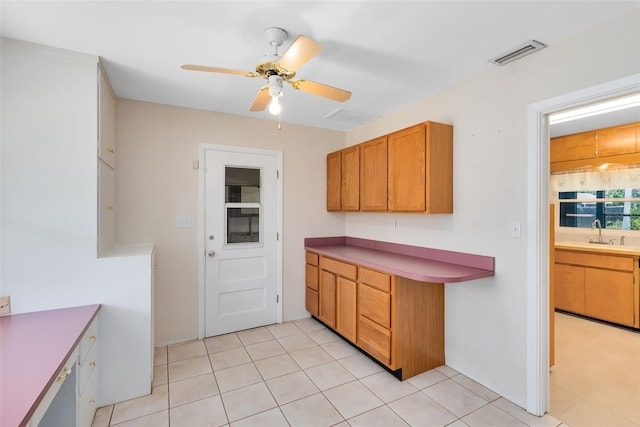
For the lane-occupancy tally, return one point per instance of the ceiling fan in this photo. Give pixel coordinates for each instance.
(277, 69)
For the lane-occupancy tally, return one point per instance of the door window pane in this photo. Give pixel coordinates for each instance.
(242, 185)
(242, 205)
(243, 225)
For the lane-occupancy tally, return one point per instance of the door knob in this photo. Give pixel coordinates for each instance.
(211, 253)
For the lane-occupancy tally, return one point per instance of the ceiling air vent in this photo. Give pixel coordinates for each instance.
(347, 116)
(518, 52)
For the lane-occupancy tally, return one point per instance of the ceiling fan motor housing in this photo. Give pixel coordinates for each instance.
(275, 85)
(275, 36)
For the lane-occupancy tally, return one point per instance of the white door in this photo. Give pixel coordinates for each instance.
(241, 240)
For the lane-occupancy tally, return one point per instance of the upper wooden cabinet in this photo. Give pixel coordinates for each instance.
(334, 181)
(350, 190)
(406, 169)
(373, 175)
(617, 140)
(410, 170)
(619, 144)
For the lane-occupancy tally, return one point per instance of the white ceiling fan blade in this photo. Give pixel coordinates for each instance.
(320, 89)
(261, 100)
(302, 50)
(204, 68)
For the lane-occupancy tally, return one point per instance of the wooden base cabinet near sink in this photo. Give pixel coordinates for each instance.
(597, 285)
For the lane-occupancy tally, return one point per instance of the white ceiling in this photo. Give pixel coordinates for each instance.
(387, 53)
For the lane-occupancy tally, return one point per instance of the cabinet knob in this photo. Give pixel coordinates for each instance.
(92, 363)
(110, 150)
(92, 337)
(65, 373)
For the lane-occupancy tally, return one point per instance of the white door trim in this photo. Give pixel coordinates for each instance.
(537, 364)
(202, 149)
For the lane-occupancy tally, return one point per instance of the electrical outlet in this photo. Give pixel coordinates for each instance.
(5, 305)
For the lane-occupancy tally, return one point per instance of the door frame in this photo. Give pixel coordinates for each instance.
(537, 329)
(203, 148)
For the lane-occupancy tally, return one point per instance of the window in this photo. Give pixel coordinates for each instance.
(242, 205)
(617, 209)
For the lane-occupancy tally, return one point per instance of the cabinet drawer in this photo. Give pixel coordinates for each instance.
(88, 339)
(338, 267)
(374, 339)
(87, 368)
(87, 402)
(375, 305)
(610, 262)
(66, 374)
(311, 276)
(311, 258)
(376, 279)
(311, 301)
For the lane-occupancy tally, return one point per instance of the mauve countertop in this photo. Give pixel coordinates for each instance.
(33, 349)
(413, 262)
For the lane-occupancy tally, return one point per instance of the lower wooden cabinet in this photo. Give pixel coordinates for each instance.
(312, 302)
(346, 308)
(327, 297)
(601, 286)
(397, 321)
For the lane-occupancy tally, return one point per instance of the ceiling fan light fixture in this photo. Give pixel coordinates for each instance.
(274, 106)
(275, 92)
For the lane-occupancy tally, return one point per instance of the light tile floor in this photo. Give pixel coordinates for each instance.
(596, 377)
(301, 374)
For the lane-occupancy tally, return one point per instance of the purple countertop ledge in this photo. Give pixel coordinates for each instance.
(33, 349)
(413, 262)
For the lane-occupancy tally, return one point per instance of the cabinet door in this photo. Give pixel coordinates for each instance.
(406, 169)
(609, 295)
(106, 210)
(327, 297)
(375, 305)
(374, 339)
(311, 301)
(373, 175)
(439, 164)
(334, 181)
(106, 122)
(311, 290)
(569, 284)
(311, 276)
(346, 308)
(573, 147)
(617, 140)
(350, 190)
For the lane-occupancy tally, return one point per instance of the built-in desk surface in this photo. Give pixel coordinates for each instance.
(33, 349)
(413, 262)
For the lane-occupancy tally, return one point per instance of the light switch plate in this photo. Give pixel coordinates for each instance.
(185, 222)
(515, 228)
(5, 305)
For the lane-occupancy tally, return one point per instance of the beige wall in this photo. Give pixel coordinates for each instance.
(486, 319)
(155, 180)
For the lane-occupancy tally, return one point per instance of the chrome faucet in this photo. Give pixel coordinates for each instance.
(596, 223)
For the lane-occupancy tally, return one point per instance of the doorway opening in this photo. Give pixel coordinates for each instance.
(538, 226)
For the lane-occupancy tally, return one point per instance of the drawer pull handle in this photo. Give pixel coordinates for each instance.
(65, 373)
